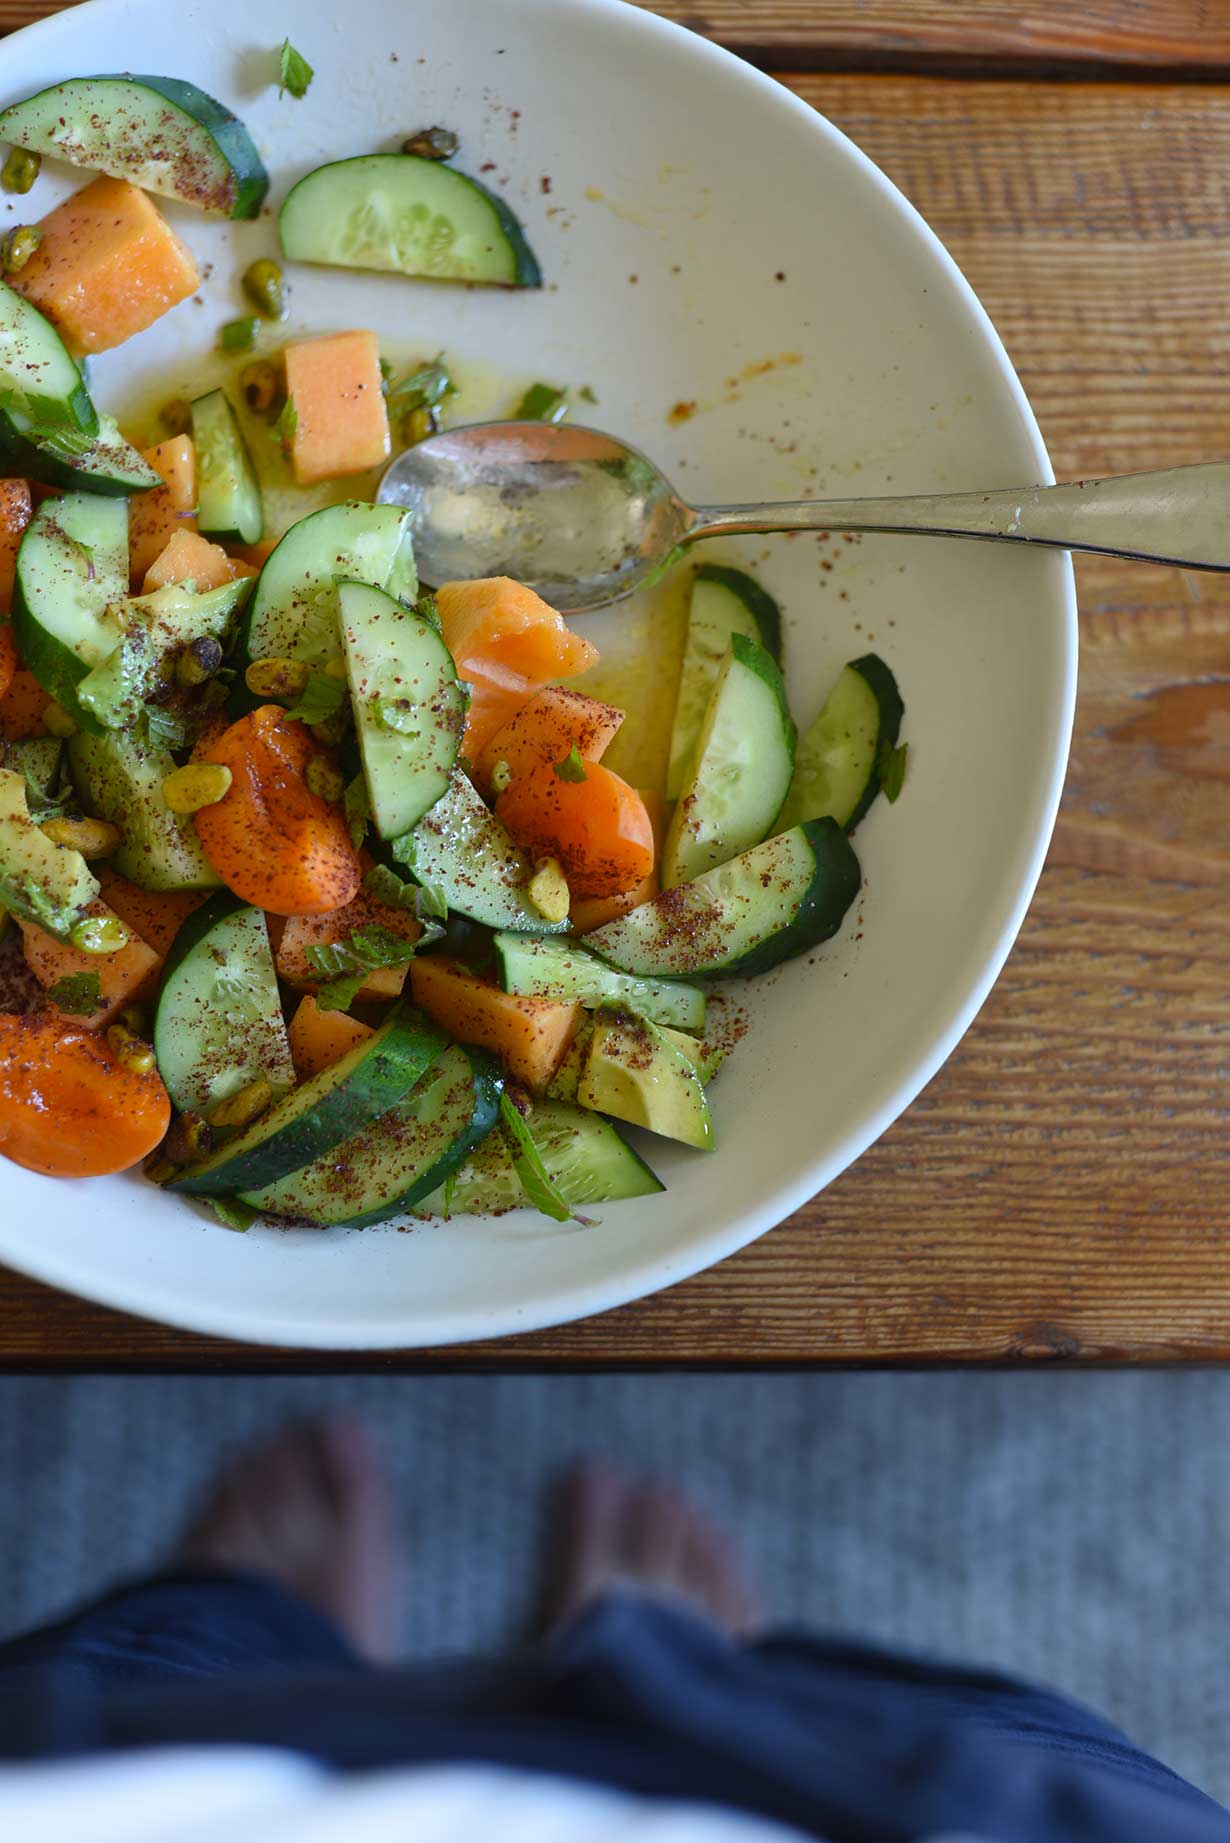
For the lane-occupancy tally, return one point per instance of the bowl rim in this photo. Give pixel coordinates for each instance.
(565, 1303)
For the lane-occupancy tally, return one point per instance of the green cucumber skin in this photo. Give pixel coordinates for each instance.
(381, 1078)
(872, 669)
(76, 407)
(764, 610)
(55, 665)
(662, 1001)
(266, 608)
(835, 883)
(225, 130)
(24, 459)
(195, 927)
(611, 1170)
(488, 1085)
(526, 272)
(213, 413)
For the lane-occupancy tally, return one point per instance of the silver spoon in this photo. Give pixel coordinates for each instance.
(585, 518)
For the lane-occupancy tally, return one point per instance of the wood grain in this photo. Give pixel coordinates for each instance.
(1177, 34)
(1061, 1189)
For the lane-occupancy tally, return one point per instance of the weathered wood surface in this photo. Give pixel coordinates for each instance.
(1063, 1187)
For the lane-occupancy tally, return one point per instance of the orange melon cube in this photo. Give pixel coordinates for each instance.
(508, 643)
(304, 931)
(22, 707)
(319, 1038)
(341, 425)
(548, 727)
(532, 1035)
(255, 554)
(156, 516)
(188, 557)
(156, 915)
(16, 511)
(123, 977)
(589, 912)
(109, 265)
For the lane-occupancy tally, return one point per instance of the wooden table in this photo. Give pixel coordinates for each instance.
(1062, 1189)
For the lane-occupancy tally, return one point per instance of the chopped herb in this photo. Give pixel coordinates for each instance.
(536, 1180)
(432, 902)
(891, 770)
(238, 335)
(572, 768)
(587, 394)
(424, 389)
(167, 727)
(362, 951)
(423, 900)
(357, 808)
(294, 71)
(386, 375)
(339, 994)
(427, 609)
(321, 698)
(231, 1213)
(287, 424)
(542, 403)
(79, 994)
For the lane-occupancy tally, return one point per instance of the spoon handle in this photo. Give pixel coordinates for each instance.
(1181, 516)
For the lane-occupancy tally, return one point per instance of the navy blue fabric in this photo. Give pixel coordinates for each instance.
(851, 1742)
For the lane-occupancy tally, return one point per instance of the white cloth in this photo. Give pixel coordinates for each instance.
(256, 1795)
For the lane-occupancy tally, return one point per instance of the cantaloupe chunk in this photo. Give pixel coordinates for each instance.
(10, 658)
(508, 643)
(155, 517)
(188, 557)
(530, 1034)
(109, 265)
(548, 727)
(304, 931)
(123, 977)
(590, 912)
(340, 424)
(156, 915)
(22, 707)
(319, 1038)
(16, 511)
(258, 554)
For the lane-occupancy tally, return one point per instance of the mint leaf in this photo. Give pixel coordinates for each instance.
(426, 607)
(431, 902)
(340, 994)
(572, 768)
(891, 769)
(294, 71)
(238, 335)
(362, 951)
(77, 994)
(424, 389)
(231, 1213)
(167, 727)
(424, 900)
(287, 423)
(322, 698)
(536, 1181)
(542, 403)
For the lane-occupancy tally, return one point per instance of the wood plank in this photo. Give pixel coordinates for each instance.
(1061, 1189)
(1170, 33)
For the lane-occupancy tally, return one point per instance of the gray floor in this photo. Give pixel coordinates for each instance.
(1074, 1528)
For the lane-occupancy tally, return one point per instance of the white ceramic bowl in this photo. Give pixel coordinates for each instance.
(669, 162)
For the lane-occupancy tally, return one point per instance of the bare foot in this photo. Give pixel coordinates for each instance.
(310, 1508)
(612, 1532)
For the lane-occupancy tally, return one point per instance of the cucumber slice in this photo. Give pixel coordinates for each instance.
(159, 626)
(633, 1071)
(724, 602)
(585, 1156)
(312, 1119)
(228, 492)
(39, 378)
(42, 883)
(837, 767)
(409, 709)
(773, 902)
(118, 776)
(163, 134)
(293, 613)
(743, 761)
(72, 575)
(67, 458)
(401, 1157)
(461, 850)
(219, 1024)
(408, 216)
(558, 969)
